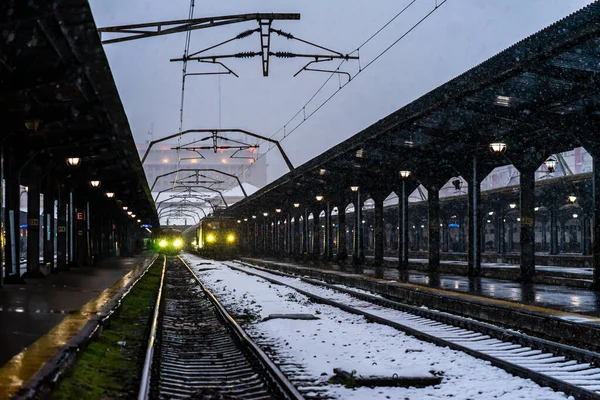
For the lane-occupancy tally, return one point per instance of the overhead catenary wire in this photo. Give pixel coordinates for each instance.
(306, 117)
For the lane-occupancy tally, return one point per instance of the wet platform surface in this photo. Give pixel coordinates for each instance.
(553, 297)
(29, 311)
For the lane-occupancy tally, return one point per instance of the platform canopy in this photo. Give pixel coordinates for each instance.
(53, 71)
(540, 96)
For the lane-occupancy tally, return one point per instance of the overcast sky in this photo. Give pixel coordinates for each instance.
(456, 37)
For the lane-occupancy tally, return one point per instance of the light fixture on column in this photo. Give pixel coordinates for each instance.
(551, 164)
(32, 124)
(498, 147)
(245, 219)
(132, 215)
(125, 208)
(354, 188)
(129, 212)
(139, 220)
(296, 205)
(265, 214)
(319, 197)
(491, 213)
(572, 198)
(239, 221)
(575, 215)
(254, 217)
(278, 210)
(110, 195)
(95, 184)
(512, 205)
(404, 174)
(73, 162)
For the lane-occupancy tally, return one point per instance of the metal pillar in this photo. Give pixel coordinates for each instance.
(297, 240)
(527, 185)
(328, 253)
(316, 236)
(358, 256)
(61, 230)
(49, 194)
(596, 223)
(433, 198)
(553, 230)
(33, 230)
(305, 233)
(12, 273)
(378, 228)
(585, 235)
(403, 223)
(475, 223)
(342, 253)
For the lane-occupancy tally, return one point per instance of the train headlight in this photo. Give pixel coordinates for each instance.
(177, 243)
(231, 238)
(210, 238)
(162, 243)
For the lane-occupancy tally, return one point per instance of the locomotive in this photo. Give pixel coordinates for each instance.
(169, 241)
(215, 237)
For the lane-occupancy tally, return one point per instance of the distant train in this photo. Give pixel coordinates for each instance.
(215, 237)
(169, 241)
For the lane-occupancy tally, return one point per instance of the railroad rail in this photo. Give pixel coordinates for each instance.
(568, 369)
(200, 350)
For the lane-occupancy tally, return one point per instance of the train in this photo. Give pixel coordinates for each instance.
(169, 241)
(214, 237)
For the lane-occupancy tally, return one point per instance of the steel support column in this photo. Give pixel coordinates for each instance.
(316, 236)
(553, 230)
(342, 253)
(12, 273)
(475, 222)
(403, 223)
(527, 186)
(358, 256)
(433, 198)
(33, 230)
(328, 253)
(61, 229)
(596, 223)
(378, 231)
(49, 195)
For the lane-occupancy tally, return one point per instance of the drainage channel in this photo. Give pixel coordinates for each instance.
(565, 368)
(200, 350)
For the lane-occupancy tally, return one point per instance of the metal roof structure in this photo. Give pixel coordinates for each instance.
(53, 69)
(540, 96)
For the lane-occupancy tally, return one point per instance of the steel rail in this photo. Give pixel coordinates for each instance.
(144, 390)
(287, 389)
(508, 336)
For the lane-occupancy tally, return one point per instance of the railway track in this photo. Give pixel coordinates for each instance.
(568, 369)
(200, 350)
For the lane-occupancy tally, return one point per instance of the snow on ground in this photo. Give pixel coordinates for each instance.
(339, 339)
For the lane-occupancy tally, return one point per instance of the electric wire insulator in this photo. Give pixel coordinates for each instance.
(246, 33)
(284, 34)
(246, 54)
(283, 54)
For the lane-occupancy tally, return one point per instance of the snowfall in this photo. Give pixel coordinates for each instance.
(338, 339)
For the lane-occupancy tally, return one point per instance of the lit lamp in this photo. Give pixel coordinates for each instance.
(354, 188)
(319, 197)
(296, 205)
(572, 198)
(125, 208)
(551, 164)
(404, 174)
(512, 205)
(73, 162)
(265, 214)
(239, 221)
(498, 147)
(245, 219)
(110, 195)
(139, 220)
(278, 210)
(32, 124)
(95, 184)
(132, 215)
(254, 217)
(130, 212)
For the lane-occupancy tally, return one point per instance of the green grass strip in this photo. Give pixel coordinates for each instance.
(110, 365)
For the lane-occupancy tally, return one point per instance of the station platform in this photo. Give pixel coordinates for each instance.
(576, 277)
(37, 318)
(556, 312)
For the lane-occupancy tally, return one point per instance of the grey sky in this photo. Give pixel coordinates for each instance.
(461, 34)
